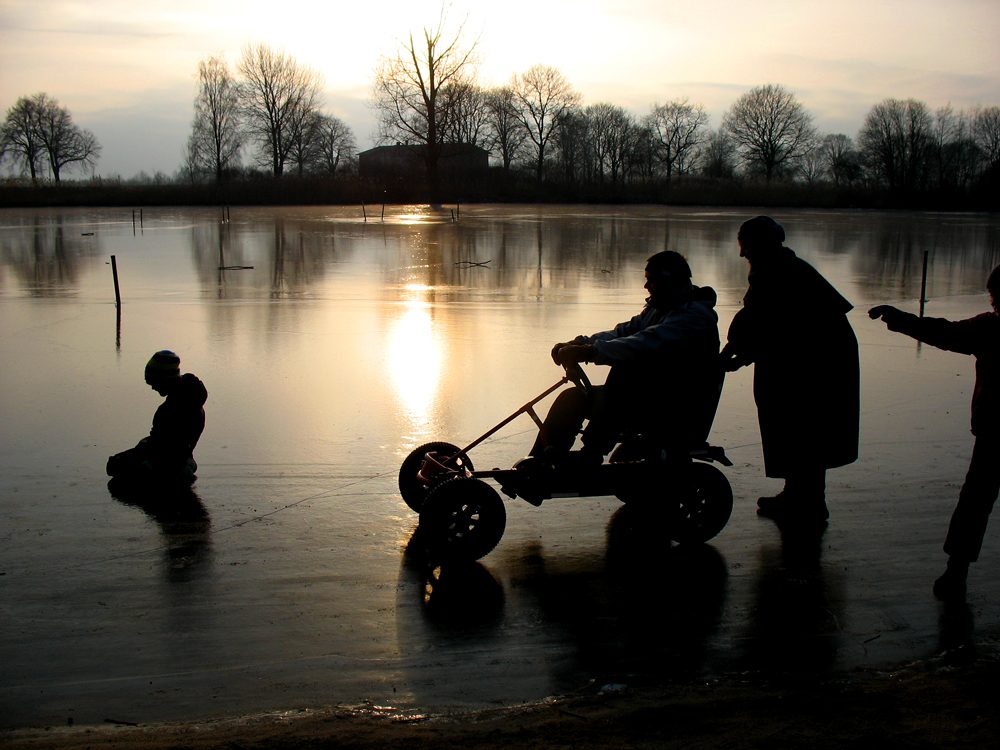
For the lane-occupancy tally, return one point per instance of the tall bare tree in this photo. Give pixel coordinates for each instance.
(611, 134)
(770, 128)
(718, 156)
(304, 142)
(336, 147)
(217, 132)
(21, 136)
(840, 159)
(509, 133)
(544, 94)
(410, 84)
(895, 142)
(955, 152)
(468, 115)
(66, 144)
(677, 129)
(986, 131)
(279, 96)
(571, 142)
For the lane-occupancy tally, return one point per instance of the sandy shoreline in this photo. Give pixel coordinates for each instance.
(949, 701)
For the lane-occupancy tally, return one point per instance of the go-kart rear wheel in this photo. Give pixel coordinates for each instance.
(462, 519)
(704, 510)
(414, 491)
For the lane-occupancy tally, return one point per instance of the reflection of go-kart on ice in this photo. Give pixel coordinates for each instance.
(461, 516)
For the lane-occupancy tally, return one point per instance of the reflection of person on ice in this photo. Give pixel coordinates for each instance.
(177, 425)
(980, 337)
(664, 372)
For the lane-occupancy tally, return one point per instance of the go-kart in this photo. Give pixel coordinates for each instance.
(463, 517)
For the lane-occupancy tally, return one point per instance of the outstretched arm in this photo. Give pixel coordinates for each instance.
(953, 336)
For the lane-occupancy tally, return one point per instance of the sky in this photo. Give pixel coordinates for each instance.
(127, 70)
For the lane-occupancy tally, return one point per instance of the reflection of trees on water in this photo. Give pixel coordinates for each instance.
(288, 258)
(44, 253)
(889, 260)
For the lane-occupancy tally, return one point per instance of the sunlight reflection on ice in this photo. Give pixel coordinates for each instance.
(415, 359)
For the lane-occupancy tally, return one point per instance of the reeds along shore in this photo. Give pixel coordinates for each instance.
(498, 188)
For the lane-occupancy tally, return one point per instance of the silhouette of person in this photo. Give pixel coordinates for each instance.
(980, 337)
(664, 371)
(793, 328)
(177, 425)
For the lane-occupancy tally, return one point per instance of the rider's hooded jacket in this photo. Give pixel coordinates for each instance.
(669, 354)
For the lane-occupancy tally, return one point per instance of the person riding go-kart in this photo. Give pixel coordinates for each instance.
(657, 404)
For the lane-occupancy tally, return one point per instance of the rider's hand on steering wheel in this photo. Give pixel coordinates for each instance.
(571, 354)
(556, 348)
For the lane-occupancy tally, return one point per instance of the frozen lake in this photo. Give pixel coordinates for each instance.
(331, 347)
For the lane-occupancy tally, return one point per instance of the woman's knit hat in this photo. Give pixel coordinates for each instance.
(761, 230)
(163, 366)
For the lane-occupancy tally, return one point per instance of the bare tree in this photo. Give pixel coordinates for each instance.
(336, 148)
(571, 143)
(21, 136)
(279, 96)
(770, 128)
(217, 133)
(66, 144)
(543, 96)
(509, 133)
(718, 156)
(468, 115)
(986, 131)
(811, 165)
(611, 132)
(677, 130)
(304, 142)
(895, 141)
(409, 97)
(37, 129)
(955, 151)
(841, 160)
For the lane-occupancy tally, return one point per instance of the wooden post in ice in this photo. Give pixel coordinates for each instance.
(118, 294)
(923, 286)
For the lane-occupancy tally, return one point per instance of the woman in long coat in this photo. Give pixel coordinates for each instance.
(794, 329)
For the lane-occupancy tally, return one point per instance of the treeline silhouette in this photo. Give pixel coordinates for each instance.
(548, 147)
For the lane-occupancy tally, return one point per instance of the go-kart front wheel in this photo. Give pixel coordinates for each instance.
(411, 488)
(705, 509)
(462, 518)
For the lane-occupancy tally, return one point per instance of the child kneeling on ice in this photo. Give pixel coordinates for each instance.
(177, 425)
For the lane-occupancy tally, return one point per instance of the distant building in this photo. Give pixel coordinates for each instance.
(457, 160)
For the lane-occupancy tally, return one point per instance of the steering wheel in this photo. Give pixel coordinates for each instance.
(578, 377)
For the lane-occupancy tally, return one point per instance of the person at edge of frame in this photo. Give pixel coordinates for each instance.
(793, 328)
(978, 336)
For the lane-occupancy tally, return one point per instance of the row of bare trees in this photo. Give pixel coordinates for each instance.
(271, 108)
(427, 94)
(39, 137)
